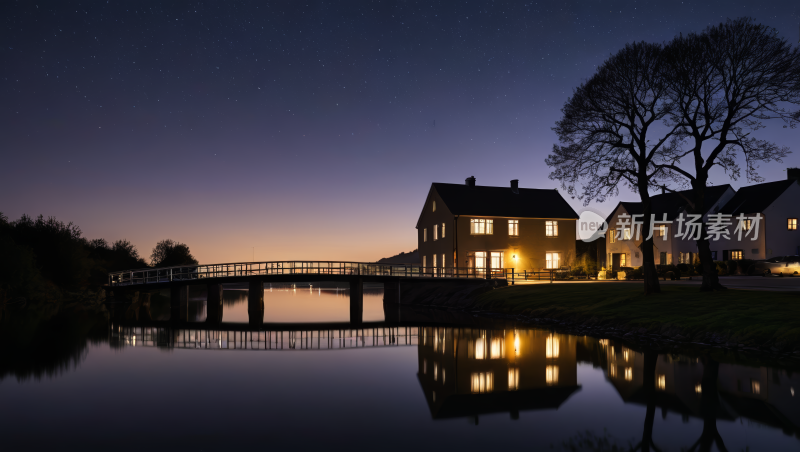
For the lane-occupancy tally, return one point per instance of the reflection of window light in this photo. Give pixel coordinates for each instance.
(435, 341)
(496, 350)
(698, 388)
(482, 382)
(435, 371)
(625, 354)
(513, 379)
(603, 342)
(516, 343)
(434, 395)
(444, 374)
(661, 382)
(629, 374)
(551, 347)
(792, 391)
(424, 366)
(756, 386)
(612, 371)
(551, 375)
(480, 348)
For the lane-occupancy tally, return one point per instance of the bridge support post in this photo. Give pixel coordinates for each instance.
(214, 303)
(179, 303)
(391, 301)
(255, 302)
(356, 300)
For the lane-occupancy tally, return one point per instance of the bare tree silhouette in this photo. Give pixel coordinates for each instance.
(606, 135)
(723, 84)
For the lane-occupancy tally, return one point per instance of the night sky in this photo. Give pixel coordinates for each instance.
(309, 130)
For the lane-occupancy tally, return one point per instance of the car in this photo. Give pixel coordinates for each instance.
(779, 265)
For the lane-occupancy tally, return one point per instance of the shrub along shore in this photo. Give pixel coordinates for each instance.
(738, 319)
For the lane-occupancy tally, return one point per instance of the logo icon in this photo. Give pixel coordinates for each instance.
(591, 226)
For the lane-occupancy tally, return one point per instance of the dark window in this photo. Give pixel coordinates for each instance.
(714, 255)
(726, 255)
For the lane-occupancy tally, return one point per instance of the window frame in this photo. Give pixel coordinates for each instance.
(424, 235)
(791, 224)
(443, 224)
(435, 232)
(488, 226)
(551, 228)
(548, 260)
(513, 228)
(734, 253)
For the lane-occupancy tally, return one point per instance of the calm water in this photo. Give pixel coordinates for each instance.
(132, 386)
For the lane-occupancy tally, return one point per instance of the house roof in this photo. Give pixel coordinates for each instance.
(756, 198)
(671, 203)
(462, 199)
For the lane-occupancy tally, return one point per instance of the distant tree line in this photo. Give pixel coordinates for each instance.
(42, 258)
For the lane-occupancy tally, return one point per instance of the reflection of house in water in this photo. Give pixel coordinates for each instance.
(468, 372)
(761, 394)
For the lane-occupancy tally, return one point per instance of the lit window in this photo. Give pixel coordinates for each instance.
(551, 375)
(482, 382)
(552, 260)
(612, 238)
(434, 205)
(661, 231)
(479, 226)
(434, 261)
(661, 382)
(755, 385)
(551, 228)
(747, 224)
(792, 224)
(425, 235)
(424, 258)
(513, 379)
(442, 230)
(443, 260)
(497, 350)
(698, 388)
(551, 347)
(435, 232)
(622, 260)
(626, 234)
(513, 228)
(629, 374)
(736, 255)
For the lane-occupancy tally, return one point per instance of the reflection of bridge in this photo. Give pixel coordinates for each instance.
(241, 337)
(255, 274)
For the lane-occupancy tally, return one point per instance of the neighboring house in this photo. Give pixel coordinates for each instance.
(625, 251)
(487, 228)
(778, 203)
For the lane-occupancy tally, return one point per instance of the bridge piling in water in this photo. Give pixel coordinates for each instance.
(214, 303)
(255, 302)
(356, 300)
(179, 303)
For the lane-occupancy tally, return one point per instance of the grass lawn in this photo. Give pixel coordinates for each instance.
(748, 316)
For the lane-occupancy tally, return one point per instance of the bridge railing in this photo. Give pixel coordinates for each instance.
(322, 268)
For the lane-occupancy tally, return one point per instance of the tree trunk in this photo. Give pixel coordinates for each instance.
(649, 388)
(650, 275)
(710, 277)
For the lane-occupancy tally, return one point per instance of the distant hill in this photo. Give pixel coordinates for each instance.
(402, 258)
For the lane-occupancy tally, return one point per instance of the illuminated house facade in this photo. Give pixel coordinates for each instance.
(485, 228)
(625, 251)
(777, 234)
(470, 372)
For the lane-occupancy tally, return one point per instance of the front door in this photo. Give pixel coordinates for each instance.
(615, 262)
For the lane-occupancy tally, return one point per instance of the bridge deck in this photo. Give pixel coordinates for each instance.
(298, 271)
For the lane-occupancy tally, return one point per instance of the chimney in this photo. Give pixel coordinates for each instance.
(470, 181)
(515, 185)
(793, 174)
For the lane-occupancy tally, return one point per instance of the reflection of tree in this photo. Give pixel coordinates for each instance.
(708, 406)
(649, 387)
(35, 343)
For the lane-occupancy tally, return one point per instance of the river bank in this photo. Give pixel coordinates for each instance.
(748, 320)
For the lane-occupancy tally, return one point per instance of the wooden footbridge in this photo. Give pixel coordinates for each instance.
(255, 274)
